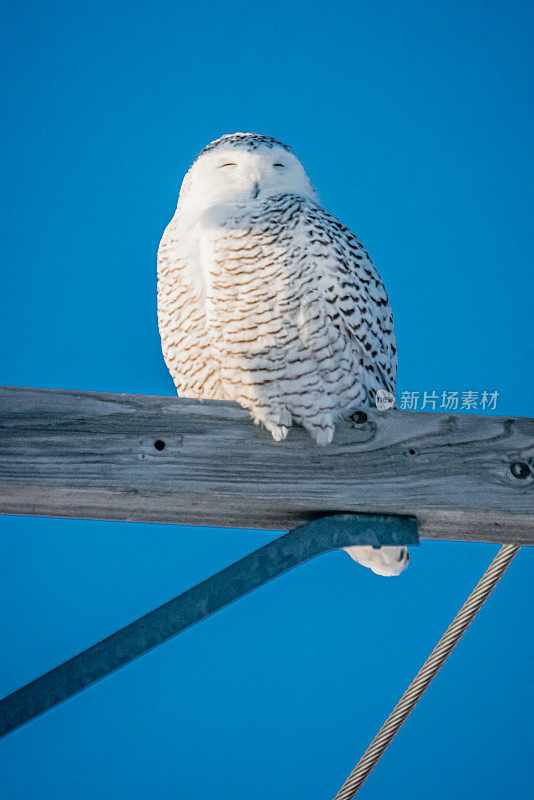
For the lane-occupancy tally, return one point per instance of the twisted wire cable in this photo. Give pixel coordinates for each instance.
(428, 671)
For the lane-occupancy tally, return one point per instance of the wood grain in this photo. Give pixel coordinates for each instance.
(92, 455)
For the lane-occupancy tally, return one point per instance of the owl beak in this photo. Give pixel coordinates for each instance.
(255, 189)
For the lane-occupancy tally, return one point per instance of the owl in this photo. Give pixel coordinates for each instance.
(268, 300)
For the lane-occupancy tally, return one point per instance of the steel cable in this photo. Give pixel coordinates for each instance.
(428, 671)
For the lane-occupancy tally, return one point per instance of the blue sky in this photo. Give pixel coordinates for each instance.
(414, 121)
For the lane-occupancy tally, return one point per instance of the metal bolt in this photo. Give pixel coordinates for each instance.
(358, 417)
(520, 470)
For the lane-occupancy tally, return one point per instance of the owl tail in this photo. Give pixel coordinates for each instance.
(387, 561)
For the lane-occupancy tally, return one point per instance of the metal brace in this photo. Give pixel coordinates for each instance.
(299, 545)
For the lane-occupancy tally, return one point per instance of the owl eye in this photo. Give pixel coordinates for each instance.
(230, 164)
(278, 165)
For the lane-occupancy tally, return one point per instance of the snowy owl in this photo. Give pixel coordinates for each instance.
(266, 299)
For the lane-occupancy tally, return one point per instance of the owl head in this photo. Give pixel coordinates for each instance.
(243, 168)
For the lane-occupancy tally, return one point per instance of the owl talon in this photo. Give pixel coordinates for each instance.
(278, 432)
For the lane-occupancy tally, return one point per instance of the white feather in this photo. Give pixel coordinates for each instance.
(266, 299)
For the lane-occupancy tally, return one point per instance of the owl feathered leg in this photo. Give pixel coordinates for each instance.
(320, 427)
(276, 419)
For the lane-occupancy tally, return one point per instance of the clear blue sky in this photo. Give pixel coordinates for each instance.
(415, 122)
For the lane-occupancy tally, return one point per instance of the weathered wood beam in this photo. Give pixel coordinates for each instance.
(93, 455)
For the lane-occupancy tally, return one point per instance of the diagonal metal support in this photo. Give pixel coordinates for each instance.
(288, 551)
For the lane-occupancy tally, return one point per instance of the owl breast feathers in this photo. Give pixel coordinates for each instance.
(266, 299)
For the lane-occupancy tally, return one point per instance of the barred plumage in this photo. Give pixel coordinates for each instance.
(266, 299)
(272, 302)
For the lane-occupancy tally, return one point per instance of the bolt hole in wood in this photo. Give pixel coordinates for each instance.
(159, 444)
(520, 470)
(411, 452)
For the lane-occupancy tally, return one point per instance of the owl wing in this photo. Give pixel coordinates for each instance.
(355, 296)
(182, 317)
